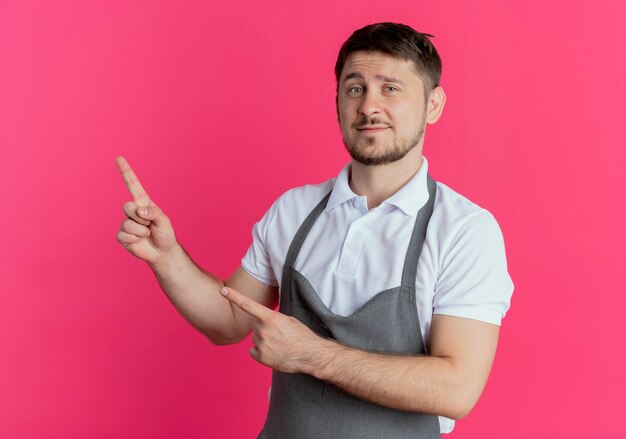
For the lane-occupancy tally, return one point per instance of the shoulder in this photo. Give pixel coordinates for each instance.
(297, 202)
(292, 207)
(472, 274)
(272, 234)
(462, 225)
(454, 211)
(452, 204)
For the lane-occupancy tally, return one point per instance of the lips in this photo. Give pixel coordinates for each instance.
(372, 128)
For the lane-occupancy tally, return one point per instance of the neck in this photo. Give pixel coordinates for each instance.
(378, 183)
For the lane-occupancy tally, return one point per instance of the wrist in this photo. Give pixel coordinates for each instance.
(324, 359)
(168, 259)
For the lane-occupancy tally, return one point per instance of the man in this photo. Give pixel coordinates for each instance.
(392, 286)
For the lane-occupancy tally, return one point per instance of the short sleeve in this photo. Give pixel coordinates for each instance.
(473, 281)
(257, 260)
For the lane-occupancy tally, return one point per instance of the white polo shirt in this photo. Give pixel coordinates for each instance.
(352, 253)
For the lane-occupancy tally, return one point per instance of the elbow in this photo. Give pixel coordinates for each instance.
(462, 405)
(455, 406)
(459, 413)
(455, 413)
(220, 338)
(220, 341)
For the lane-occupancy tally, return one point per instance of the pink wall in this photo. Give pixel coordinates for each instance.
(213, 105)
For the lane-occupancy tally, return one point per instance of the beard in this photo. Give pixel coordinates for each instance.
(385, 154)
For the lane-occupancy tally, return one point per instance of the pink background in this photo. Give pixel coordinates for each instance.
(222, 107)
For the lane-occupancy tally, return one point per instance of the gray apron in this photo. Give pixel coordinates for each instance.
(303, 407)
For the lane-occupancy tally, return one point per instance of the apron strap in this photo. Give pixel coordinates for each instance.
(297, 242)
(409, 272)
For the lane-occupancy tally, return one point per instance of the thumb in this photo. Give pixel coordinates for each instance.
(153, 214)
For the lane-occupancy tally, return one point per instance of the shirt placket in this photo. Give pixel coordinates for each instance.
(351, 251)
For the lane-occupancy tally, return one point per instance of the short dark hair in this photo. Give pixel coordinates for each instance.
(399, 41)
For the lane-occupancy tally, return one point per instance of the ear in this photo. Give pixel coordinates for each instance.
(435, 104)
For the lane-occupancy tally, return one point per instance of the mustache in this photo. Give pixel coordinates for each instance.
(367, 121)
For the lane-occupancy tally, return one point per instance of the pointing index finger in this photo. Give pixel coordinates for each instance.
(132, 182)
(246, 304)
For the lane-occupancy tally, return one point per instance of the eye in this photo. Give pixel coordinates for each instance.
(392, 88)
(355, 90)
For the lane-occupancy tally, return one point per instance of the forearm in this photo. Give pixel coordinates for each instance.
(195, 294)
(447, 382)
(147, 234)
(425, 384)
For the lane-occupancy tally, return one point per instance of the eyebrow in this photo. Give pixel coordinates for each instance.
(382, 78)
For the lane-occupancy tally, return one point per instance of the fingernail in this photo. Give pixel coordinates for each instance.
(143, 211)
(224, 292)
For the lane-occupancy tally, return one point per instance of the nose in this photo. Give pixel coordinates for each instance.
(370, 104)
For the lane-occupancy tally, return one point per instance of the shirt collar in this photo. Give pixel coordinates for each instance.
(341, 189)
(410, 198)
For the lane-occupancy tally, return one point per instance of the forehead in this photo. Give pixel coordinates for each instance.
(374, 64)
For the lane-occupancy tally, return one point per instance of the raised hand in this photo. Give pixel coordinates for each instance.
(146, 232)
